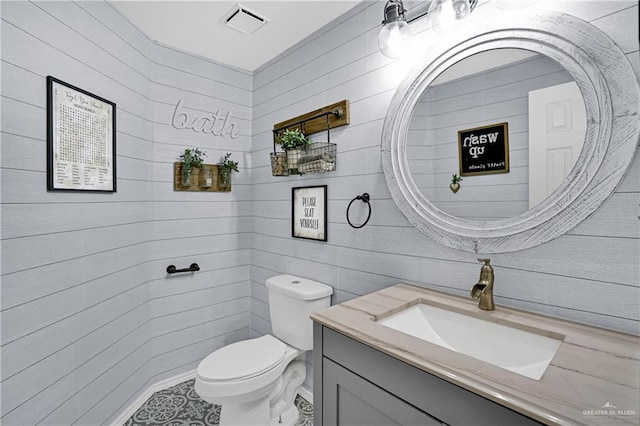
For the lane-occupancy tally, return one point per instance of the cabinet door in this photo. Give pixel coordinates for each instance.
(350, 400)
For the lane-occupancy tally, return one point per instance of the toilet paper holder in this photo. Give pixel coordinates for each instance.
(171, 269)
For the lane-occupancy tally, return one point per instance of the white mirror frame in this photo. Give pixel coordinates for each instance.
(611, 93)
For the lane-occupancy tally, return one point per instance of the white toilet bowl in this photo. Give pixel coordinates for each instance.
(256, 380)
(251, 382)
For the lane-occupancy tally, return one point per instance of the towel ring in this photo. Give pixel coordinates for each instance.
(365, 198)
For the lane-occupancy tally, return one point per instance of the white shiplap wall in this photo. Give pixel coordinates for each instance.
(89, 317)
(589, 275)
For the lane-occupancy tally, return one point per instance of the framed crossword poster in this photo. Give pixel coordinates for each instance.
(81, 139)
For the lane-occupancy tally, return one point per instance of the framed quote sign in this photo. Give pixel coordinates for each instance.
(81, 139)
(309, 212)
(484, 150)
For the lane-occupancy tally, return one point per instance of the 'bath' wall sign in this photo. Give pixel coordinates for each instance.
(218, 124)
(484, 150)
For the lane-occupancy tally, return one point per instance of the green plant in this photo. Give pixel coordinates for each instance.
(455, 183)
(192, 158)
(226, 164)
(292, 139)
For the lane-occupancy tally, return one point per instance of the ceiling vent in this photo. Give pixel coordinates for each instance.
(244, 20)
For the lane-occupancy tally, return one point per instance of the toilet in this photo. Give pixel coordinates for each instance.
(256, 380)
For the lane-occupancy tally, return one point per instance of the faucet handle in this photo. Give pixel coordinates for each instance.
(486, 272)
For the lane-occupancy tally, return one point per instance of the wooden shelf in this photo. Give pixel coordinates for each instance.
(319, 124)
(196, 187)
(320, 156)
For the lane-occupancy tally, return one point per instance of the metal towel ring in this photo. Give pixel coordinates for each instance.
(365, 198)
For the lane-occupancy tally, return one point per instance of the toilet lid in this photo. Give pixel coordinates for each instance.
(242, 360)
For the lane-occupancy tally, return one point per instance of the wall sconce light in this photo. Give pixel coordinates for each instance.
(442, 15)
(395, 30)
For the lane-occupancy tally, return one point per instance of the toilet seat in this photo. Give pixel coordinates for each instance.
(242, 360)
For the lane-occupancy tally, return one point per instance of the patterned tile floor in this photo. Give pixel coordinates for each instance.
(180, 405)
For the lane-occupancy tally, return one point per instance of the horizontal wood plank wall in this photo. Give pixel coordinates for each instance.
(89, 317)
(589, 275)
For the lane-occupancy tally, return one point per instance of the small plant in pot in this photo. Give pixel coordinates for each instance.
(191, 158)
(225, 166)
(293, 141)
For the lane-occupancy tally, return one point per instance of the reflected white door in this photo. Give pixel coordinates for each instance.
(557, 125)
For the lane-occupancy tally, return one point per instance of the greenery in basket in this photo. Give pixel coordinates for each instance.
(226, 164)
(192, 158)
(293, 139)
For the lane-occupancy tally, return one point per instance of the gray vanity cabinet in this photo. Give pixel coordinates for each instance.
(355, 384)
(351, 400)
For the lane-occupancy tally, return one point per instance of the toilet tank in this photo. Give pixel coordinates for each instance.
(291, 301)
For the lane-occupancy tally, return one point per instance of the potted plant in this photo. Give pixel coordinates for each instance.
(191, 158)
(293, 141)
(225, 166)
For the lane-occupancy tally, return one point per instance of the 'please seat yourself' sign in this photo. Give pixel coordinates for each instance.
(484, 150)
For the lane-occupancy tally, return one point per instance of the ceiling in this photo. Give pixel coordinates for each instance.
(199, 26)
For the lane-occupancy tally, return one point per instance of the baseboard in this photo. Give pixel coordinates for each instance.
(155, 387)
(306, 394)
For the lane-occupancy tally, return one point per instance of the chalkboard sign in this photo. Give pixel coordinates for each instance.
(484, 150)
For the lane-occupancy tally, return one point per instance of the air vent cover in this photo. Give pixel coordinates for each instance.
(244, 20)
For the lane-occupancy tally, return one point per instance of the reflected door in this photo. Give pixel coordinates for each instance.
(557, 125)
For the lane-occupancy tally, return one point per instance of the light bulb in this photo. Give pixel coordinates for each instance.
(443, 14)
(392, 39)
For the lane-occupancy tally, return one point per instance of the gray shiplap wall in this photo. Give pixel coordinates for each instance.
(589, 275)
(490, 97)
(89, 317)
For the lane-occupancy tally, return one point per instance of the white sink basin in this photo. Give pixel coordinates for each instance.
(522, 352)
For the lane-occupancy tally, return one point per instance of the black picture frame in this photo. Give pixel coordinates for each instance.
(81, 139)
(309, 212)
(484, 150)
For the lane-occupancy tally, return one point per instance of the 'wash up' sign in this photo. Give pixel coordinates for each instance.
(484, 150)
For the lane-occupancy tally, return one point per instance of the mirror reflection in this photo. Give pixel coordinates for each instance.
(511, 122)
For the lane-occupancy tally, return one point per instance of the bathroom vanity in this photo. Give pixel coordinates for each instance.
(368, 373)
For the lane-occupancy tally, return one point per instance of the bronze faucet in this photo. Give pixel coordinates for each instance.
(483, 290)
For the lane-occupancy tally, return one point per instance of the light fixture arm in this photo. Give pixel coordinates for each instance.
(395, 27)
(472, 6)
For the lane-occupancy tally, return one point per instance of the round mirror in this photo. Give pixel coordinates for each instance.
(467, 112)
(509, 122)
